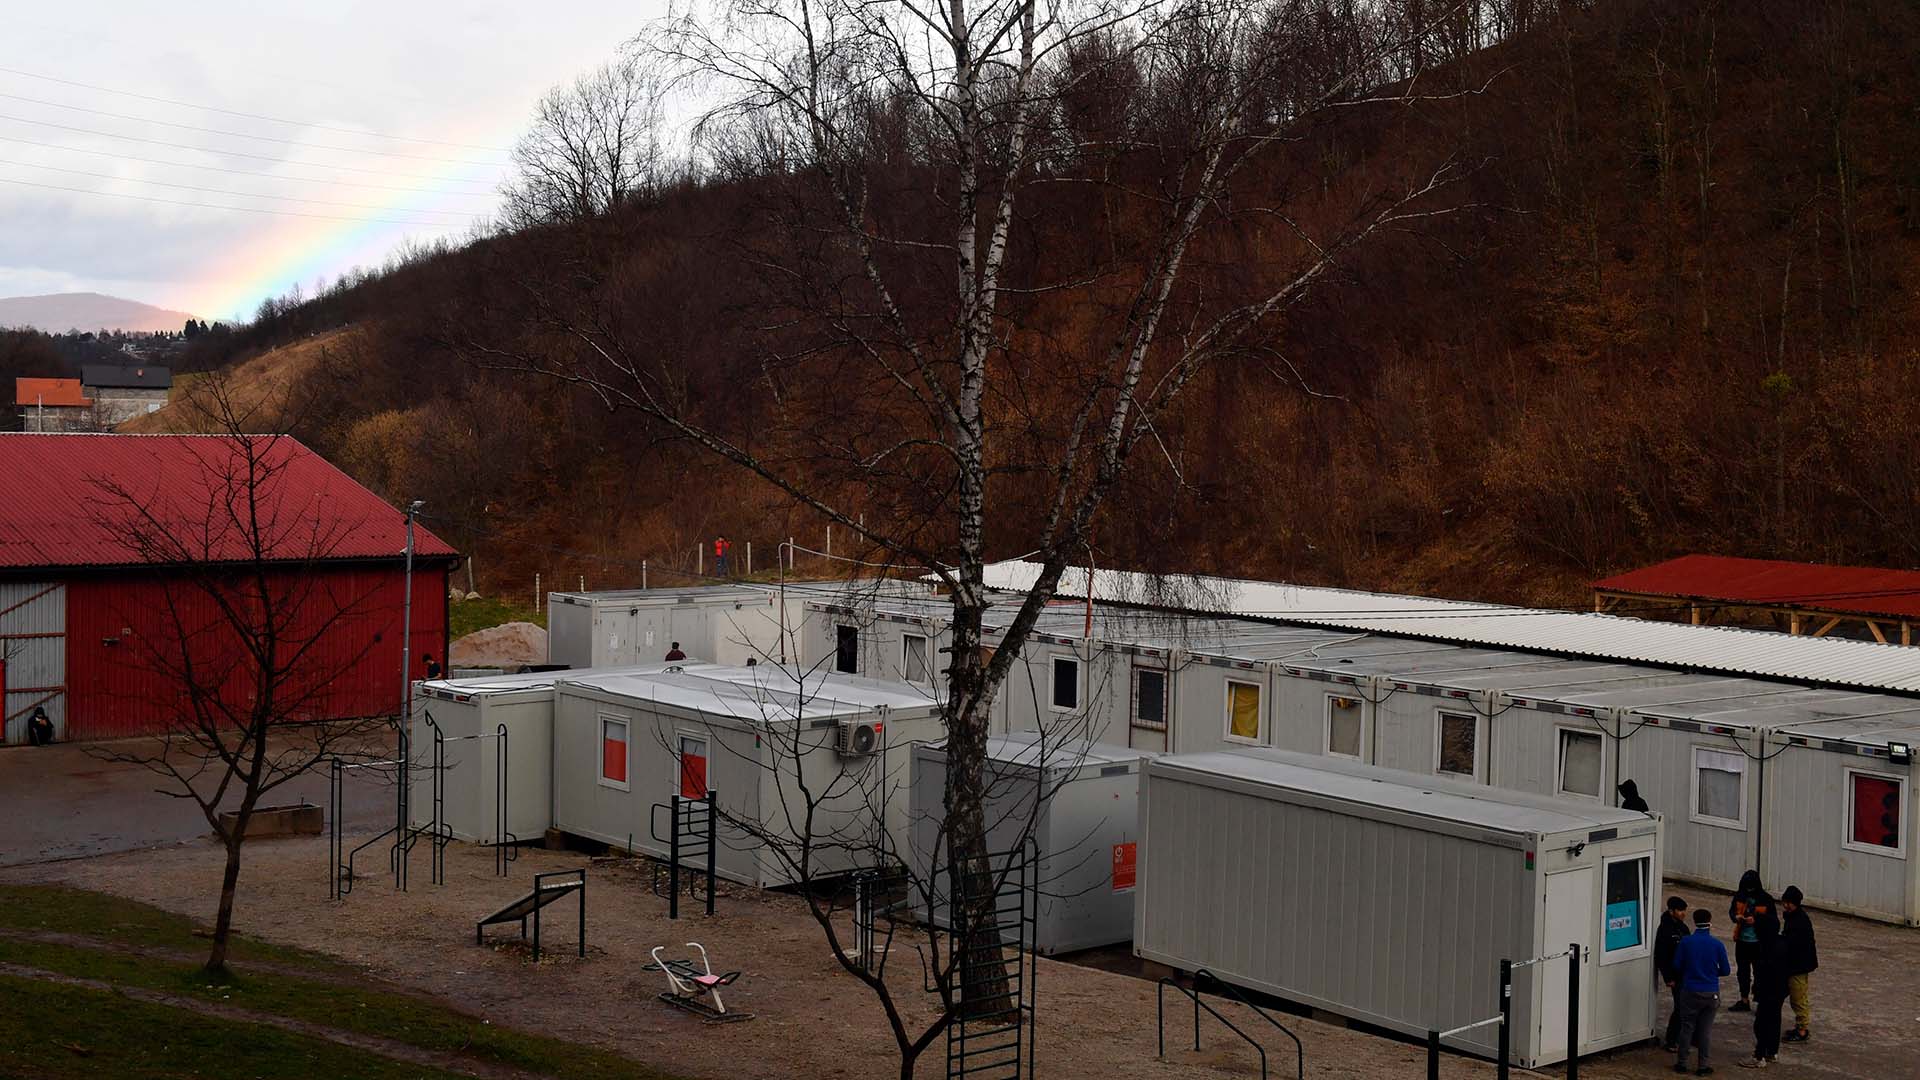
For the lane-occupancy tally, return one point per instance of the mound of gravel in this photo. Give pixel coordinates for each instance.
(508, 646)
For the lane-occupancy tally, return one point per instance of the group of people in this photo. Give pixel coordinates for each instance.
(1774, 950)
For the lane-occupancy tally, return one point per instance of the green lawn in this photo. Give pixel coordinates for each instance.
(466, 616)
(323, 992)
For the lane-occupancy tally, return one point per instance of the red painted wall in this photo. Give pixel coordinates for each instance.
(343, 622)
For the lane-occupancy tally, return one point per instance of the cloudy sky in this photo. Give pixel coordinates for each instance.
(204, 155)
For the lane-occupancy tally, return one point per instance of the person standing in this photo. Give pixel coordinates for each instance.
(1769, 994)
(674, 653)
(1701, 962)
(721, 549)
(1749, 906)
(432, 665)
(39, 728)
(1666, 941)
(1797, 950)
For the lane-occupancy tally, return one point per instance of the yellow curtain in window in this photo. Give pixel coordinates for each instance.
(1243, 711)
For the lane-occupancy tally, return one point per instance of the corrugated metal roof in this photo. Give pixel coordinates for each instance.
(764, 693)
(1832, 661)
(69, 500)
(52, 393)
(1773, 583)
(1498, 809)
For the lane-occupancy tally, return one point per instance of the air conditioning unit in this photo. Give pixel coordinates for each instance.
(859, 736)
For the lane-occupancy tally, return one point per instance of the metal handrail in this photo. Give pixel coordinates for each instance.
(1160, 1018)
(1233, 992)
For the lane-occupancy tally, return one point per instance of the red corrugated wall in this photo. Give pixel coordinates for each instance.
(122, 634)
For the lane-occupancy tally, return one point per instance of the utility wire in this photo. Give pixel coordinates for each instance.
(241, 194)
(230, 153)
(248, 115)
(237, 209)
(243, 172)
(244, 135)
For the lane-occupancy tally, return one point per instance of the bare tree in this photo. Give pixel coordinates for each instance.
(913, 160)
(244, 655)
(595, 143)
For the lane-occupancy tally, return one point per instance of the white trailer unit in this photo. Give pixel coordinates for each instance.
(765, 744)
(1391, 897)
(470, 715)
(722, 624)
(1084, 832)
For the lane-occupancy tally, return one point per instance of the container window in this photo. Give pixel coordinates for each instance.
(1626, 911)
(1459, 745)
(1719, 788)
(1580, 763)
(1066, 683)
(1343, 726)
(693, 767)
(1243, 712)
(613, 751)
(913, 659)
(846, 650)
(1873, 823)
(1150, 699)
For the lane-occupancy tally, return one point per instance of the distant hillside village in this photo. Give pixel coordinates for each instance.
(92, 381)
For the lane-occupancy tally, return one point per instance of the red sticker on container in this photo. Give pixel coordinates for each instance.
(1123, 867)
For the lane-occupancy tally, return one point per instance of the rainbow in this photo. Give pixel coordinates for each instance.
(281, 252)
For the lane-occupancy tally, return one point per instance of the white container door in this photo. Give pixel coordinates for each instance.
(1569, 919)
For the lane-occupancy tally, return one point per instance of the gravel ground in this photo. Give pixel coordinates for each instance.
(812, 1020)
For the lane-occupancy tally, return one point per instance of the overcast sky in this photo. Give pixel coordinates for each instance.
(402, 111)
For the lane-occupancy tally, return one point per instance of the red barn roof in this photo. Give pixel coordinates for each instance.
(1771, 583)
(52, 393)
(72, 500)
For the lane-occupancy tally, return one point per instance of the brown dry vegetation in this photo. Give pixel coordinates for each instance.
(1674, 315)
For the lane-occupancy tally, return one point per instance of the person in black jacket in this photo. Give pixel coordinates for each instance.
(1797, 949)
(40, 728)
(1672, 930)
(1751, 910)
(1630, 797)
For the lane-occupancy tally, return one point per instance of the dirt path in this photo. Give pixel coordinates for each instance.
(372, 1044)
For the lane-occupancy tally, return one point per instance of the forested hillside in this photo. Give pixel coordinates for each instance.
(1664, 305)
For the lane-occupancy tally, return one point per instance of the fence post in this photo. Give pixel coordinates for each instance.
(700, 559)
(710, 853)
(673, 864)
(1506, 1020)
(1573, 1011)
(1433, 1054)
(749, 558)
(829, 540)
(536, 590)
(643, 574)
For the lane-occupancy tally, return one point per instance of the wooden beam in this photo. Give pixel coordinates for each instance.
(1875, 627)
(1906, 632)
(1830, 624)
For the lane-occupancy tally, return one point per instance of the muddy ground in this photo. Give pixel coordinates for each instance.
(811, 1019)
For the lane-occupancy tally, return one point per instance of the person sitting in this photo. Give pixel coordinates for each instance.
(675, 653)
(40, 728)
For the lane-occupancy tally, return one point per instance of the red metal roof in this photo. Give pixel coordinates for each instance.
(52, 393)
(1771, 583)
(71, 500)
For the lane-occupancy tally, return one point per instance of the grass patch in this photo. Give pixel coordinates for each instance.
(348, 1001)
(466, 616)
(70, 1033)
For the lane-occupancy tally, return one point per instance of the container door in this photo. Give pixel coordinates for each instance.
(1569, 919)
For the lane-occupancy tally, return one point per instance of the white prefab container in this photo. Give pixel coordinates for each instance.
(470, 714)
(765, 744)
(1391, 897)
(723, 624)
(1085, 830)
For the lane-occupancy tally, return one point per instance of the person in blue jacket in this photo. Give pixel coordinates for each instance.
(1701, 962)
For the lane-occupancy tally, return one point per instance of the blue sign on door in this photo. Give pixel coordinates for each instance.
(1623, 925)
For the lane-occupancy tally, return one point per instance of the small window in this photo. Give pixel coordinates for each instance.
(1150, 699)
(1243, 712)
(613, 752)
(1459, 749)
(1343, 726)
(1873, 819)
(846, 650)
(1580, 767)
(1625, 932)
(913, 659)
(693, 767)
(1066, 683)
(1719, 788)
